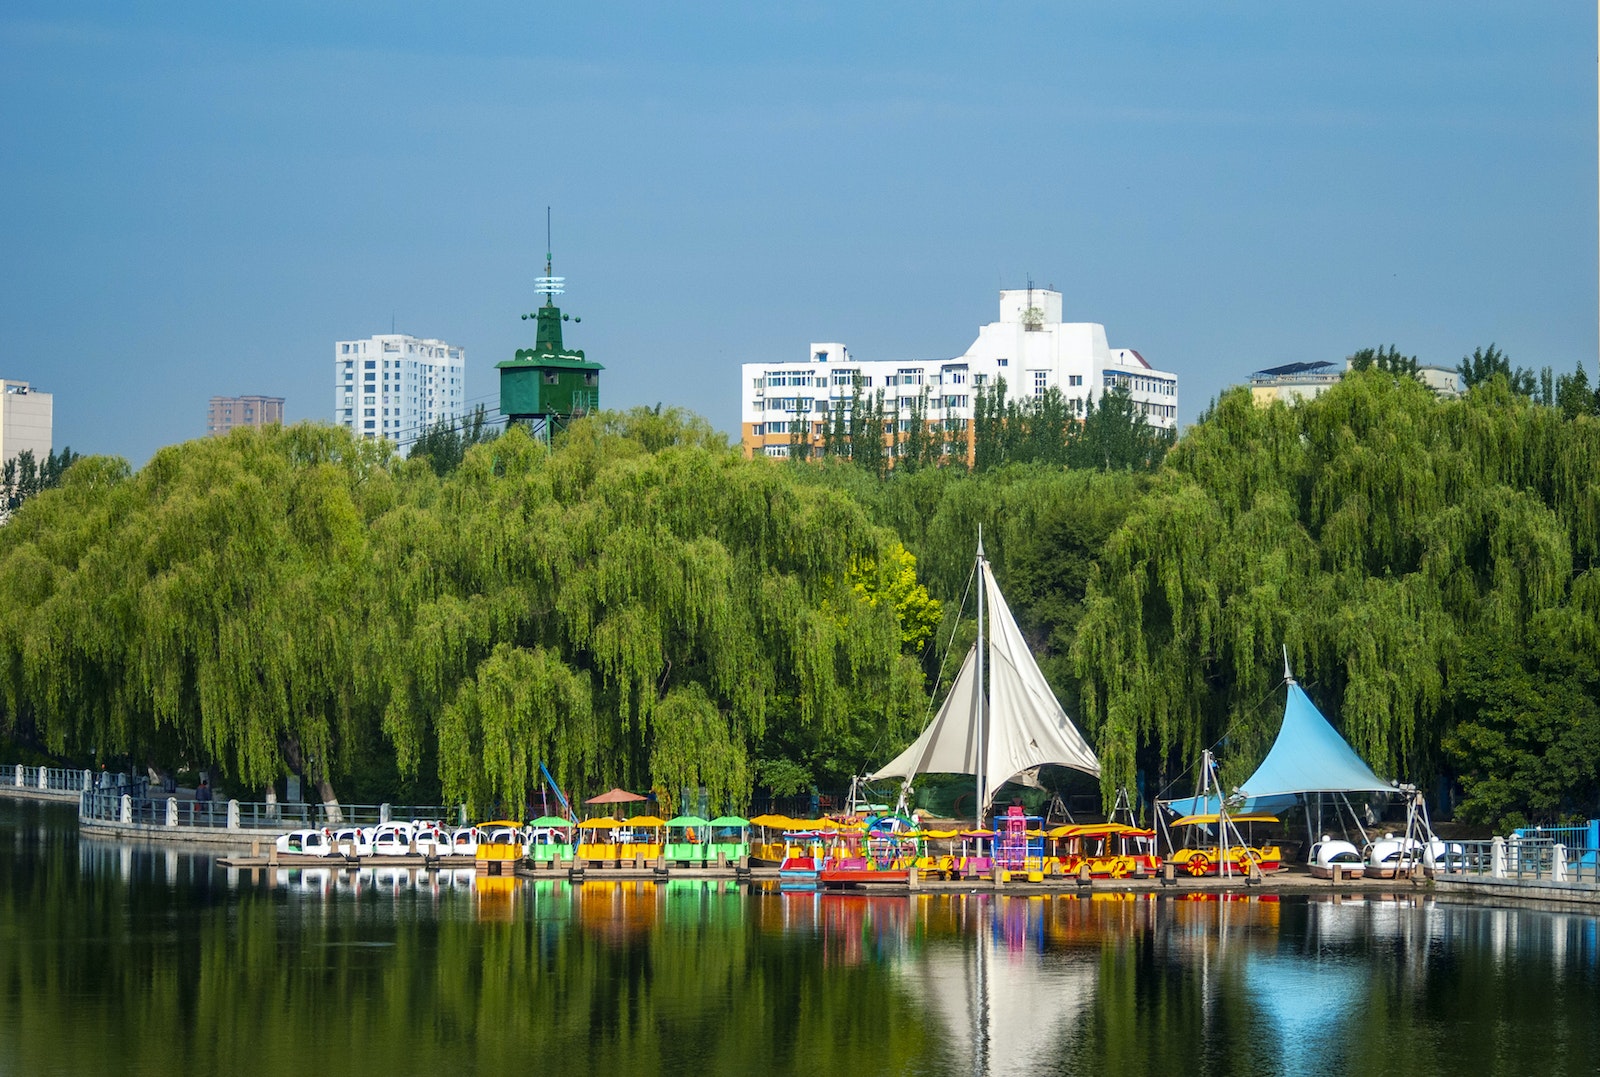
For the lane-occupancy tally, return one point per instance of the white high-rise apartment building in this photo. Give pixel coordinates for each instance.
(1030, 347)
(397, 386)
(26, 416)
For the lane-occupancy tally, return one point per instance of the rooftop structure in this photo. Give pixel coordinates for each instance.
(1293, 382)
(227, 412)
(1029, 347)
(548, 385)
(26, 417)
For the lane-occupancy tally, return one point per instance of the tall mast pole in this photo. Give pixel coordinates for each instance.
(983, 697)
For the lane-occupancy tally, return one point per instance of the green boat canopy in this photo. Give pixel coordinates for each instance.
(688, 820)
(552, 820)
(729, 820)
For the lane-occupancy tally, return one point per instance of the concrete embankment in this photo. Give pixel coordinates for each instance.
(1518, 891)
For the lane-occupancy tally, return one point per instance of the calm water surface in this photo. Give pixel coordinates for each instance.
(140, 960)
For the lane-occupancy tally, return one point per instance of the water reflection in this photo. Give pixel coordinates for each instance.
(180, 966)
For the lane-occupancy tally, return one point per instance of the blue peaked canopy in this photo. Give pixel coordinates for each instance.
(1251, 806)
(1309, 756)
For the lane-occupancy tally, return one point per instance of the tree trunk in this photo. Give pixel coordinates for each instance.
(330, 802)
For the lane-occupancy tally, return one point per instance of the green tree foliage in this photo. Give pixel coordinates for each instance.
(1387, 359)
(1528, 745)
(1110, 435)
(445, 444)
(198, 610)
(1486, 364)
(1375, 531)
(22, 476)
(638, 606)
(1574, 396)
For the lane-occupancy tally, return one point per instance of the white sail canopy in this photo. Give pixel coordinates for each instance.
(1026, 727)
(950, 743)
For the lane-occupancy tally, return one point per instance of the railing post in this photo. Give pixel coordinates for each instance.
(1558, 864)
(88, 781)
(125, 815)
(20, 781)
(1497, 857)
(172, 811)
(44, 780)
(383, 814)
(233, 815)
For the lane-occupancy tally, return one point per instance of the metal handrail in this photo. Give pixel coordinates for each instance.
(45, 779)
(1524, 859)
(108, 806)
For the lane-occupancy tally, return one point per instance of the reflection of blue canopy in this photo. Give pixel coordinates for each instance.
(1310, 757)
(1252, 805)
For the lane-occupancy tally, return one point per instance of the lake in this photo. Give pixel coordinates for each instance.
(148, 960)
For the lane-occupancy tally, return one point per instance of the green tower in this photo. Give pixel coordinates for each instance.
(547, 386)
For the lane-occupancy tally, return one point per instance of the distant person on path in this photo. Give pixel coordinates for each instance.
(202, 795)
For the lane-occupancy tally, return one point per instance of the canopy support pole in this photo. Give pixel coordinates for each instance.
(983, 700)
(1355, 819)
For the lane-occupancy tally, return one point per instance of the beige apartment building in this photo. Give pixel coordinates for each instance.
(26, 415)
(227, 412)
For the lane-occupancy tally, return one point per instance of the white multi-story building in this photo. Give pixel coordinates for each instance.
(1030, 347)
(26, 416)
(397, 386)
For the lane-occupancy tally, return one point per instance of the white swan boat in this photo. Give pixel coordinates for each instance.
(305, 843)
(1329, 853)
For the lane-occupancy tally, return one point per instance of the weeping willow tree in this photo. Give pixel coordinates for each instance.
(199, 610)
(1374, 532)
(639, 606)
(636, 607)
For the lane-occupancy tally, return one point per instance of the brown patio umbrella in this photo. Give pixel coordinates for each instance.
(616, 796)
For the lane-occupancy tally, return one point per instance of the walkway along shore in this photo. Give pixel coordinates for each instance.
(1518, 869)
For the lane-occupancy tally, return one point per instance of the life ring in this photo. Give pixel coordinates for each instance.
(1197, 865)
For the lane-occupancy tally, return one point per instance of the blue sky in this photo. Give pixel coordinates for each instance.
(202, 199)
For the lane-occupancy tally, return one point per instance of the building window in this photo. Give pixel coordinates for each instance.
(551, 378)
(1074, 379)
(1003, 362)
(821, 357)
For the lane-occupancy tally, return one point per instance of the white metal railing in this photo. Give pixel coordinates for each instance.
(1523, 859)
(45, 779)
(117, 807)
